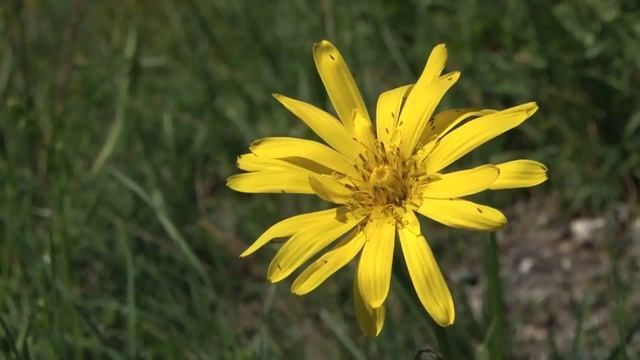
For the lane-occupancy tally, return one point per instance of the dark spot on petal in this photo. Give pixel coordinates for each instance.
(331, 56)
(479, 210)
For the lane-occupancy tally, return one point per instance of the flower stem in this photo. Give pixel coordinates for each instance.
(497, 338)
(443, 341)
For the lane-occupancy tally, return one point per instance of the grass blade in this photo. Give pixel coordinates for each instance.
(619, 351)
(341, 335)
(121, 104)
(8, 339)
(168, 226)
(579, 330)
(131, 289)
(5, 71)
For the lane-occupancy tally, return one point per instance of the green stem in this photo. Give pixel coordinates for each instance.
(443, 341)
(497, 339)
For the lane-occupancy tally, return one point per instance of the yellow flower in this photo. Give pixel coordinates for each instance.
(379, 179)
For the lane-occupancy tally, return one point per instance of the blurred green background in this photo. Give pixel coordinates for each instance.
(121, 120)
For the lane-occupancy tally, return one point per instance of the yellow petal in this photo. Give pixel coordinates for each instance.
(424, 271)
(370, 320)
(338, 81)
(441, 121)
(421, 103)
(424, 97)
(374, 269)
(457, 121)
(330, 189)
(292, 182)
(462, 214)
(437, 126)
(363, 131)
(253, 162)
(308, 242)
(292, 148)
(388, 110)
(462, 183)
(467, 137)
(435, 64)
(325, 266)
(322, 123)
(290, 226)
(519, 174)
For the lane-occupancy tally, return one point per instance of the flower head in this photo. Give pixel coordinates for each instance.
(380, 178)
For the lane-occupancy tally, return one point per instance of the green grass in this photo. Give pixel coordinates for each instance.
(120, 123)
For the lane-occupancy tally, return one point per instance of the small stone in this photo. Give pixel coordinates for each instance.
(586, 229)
(525, 265)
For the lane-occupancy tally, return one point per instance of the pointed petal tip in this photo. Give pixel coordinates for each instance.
(446, 319)
(282, 99)
(272, 273)
(375, 334)
(376, 303)
(285, 100)
(275, 273)
(500, 222)
(298, 290)
(326, 50)
(441, 47)
(323, 44)
(230, 183)
(274, 277)
(453, 76)
(253, 144)
(530, 107)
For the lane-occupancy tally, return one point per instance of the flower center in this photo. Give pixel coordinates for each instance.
(387, 185)
(386, 181)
